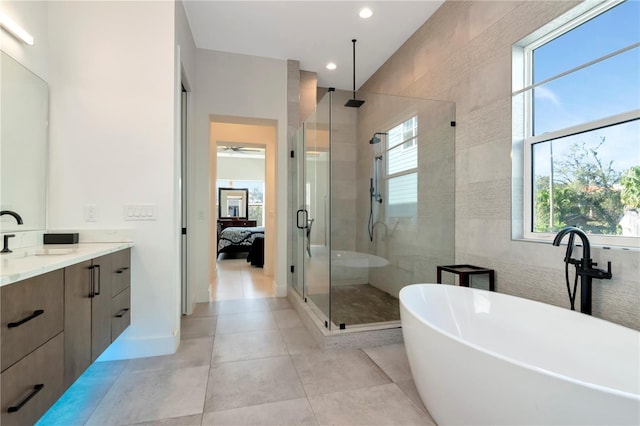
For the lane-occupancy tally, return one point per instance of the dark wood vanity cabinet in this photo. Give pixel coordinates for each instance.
(54, 326)
(89, 309)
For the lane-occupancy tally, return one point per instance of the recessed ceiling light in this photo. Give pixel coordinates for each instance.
(365, 13)
(331, 66)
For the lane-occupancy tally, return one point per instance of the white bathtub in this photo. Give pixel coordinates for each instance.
(481, 358)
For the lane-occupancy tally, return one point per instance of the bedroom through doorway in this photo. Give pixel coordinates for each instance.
(242, 190)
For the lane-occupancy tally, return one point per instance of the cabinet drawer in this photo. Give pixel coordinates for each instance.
(121, 313)
(44, 366)
(121, 271)
(32, 313)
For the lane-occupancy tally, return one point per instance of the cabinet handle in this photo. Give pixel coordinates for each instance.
(121, 313)
(92, 285)
(29, 318)
(97, 292)
(37, 388)
(121, 270)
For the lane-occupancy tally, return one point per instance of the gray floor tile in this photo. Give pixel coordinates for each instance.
(249, 345)
(206, 309)
(409, 388)
(77, 404)
(277, 303)
(378, 405)
(249, 321)
(287, 318)
(195, 420)
(243, 305)
(392, 359)
(299, 340)
(245, 383)
(152, 395)
(327, 371)
(197, 327)
(291, 412)
(194, 352)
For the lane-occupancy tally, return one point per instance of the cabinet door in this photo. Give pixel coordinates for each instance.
(122, 271)
(33, 384)
(31, 314)
(103, 271)
(77, 320)
(121, 309)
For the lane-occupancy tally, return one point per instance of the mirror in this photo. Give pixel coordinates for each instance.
(23, 146)
(232, 203)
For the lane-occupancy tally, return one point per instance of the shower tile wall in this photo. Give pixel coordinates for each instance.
(463, 54)
(343, 174)
(414, 246)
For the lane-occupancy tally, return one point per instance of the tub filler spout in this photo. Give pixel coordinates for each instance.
(585, 267)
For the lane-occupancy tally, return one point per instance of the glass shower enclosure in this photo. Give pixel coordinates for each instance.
(373, 189)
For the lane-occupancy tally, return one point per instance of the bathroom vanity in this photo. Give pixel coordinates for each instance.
(61, 307)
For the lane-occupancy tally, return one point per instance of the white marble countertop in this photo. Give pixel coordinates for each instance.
(32, 261)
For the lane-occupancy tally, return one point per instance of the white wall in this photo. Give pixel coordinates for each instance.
(241, 86)
(112, 134)
(233, 168)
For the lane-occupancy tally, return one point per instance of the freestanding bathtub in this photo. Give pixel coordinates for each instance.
(484, 358)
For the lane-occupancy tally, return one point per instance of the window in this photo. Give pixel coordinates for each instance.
(576, 111)
(402, 169)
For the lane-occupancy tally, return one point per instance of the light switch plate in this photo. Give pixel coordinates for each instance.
(139, 212)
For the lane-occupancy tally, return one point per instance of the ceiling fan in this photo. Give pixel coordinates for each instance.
(238, 148)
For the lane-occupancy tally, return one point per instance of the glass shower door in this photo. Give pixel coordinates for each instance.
(313, 215)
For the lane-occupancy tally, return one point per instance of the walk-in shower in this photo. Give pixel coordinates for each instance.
(377, 184)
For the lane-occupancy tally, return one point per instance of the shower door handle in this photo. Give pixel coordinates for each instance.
(304, 219)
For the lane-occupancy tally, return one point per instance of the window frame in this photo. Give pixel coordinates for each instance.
(522, 121)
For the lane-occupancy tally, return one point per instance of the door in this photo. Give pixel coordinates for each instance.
(77, 320)
(312, 237)
(185, 293)
(103, 270)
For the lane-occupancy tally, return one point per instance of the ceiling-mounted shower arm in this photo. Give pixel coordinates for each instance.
(354, 67)
(354, 103)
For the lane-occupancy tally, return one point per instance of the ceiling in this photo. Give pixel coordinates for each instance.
(312, 32)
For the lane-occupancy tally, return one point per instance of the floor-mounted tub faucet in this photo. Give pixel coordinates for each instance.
(584, 267)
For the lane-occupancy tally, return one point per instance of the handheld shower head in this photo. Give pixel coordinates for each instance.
(375, 139)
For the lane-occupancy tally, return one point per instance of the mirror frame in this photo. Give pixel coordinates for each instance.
(240, 193)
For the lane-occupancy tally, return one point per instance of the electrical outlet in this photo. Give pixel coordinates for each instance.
(90, 213)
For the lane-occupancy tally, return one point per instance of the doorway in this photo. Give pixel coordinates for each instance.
(243, 161)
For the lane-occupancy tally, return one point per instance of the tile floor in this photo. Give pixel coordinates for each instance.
(246, 361)
(237, 279)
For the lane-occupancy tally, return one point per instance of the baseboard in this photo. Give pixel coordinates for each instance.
(127, 347)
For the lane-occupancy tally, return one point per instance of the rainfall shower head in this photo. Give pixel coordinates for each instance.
(354, 103)
(375, 139)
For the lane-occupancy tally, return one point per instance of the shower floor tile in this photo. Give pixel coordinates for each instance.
(358, 304)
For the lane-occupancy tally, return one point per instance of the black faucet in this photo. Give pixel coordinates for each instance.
(5, 245)
(14, 214)
(584, 267)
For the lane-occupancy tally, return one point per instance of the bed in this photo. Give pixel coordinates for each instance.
(238, 239)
